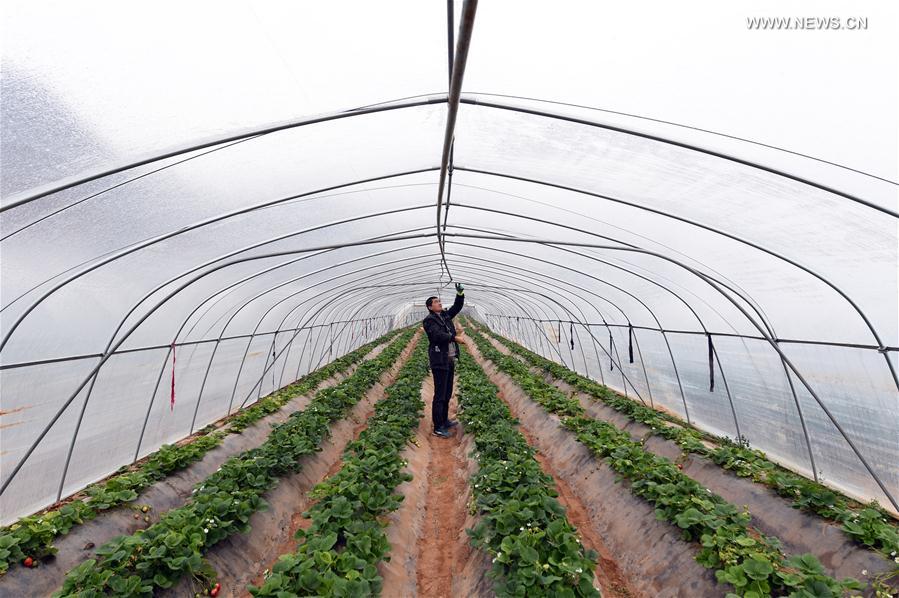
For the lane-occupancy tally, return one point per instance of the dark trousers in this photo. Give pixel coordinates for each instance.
(443, 390)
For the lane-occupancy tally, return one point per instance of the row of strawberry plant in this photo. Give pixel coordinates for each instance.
(536, 551)
(339, 553)
(31, 538)
(741, 556)
(223, 503)
(869, 525)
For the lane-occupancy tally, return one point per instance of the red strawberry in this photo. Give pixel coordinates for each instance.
(28, 562)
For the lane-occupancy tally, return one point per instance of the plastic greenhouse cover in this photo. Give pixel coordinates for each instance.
(619, 175)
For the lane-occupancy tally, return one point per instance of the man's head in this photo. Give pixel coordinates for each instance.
(433, 304)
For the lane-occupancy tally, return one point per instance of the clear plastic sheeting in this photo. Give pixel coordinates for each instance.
(245, 193)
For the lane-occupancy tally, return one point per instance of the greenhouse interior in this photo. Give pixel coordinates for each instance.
(449, 299)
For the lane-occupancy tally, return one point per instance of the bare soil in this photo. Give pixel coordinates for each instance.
(431, 554)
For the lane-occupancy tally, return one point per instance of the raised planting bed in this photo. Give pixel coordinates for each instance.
(242, 559)
(869, 525)
(222, 505)
(339, 553)
(34, 536)
(799, 530)
(534, 548)
(750, 562)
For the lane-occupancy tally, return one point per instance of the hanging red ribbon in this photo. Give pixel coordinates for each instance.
(173, 377)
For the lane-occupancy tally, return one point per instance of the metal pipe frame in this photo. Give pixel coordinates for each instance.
(469, 10)
(202, 223)
(745, 313)
(712, 229)
(766, 337)
(680, 144)
(538, 113)
(404, 292)
(150, 312)
(184, 322)
(166, 358)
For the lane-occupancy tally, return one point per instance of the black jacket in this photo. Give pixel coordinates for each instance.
(441, 331)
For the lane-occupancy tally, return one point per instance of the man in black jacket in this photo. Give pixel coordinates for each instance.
(442, 351)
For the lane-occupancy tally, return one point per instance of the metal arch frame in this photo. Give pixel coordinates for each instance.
(745, 296)
(202, 223)
(786, 372)
(560, 290)
(667, 344)
(326, 225)
(746, 314)
(174, 340)
(683, 145)
(249, 343)
(457, 74)
(719, 363)
(134, 327)
(284, 236)
(533, 112)
(404, 292)
(723, 277)
(413, 103)
(166, 359)
(712, 229)
(486, 260)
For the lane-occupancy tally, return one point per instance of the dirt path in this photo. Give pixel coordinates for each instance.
(639, 555)
(443, 545)
(430, 552)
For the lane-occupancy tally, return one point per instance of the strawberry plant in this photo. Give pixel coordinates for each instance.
(536, 551)
(34, 534)
(223, 503)
(741, 556)
(340, 551)
(868, 525)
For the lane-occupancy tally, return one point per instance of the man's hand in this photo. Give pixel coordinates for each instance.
(460, 290)
(460, 337)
